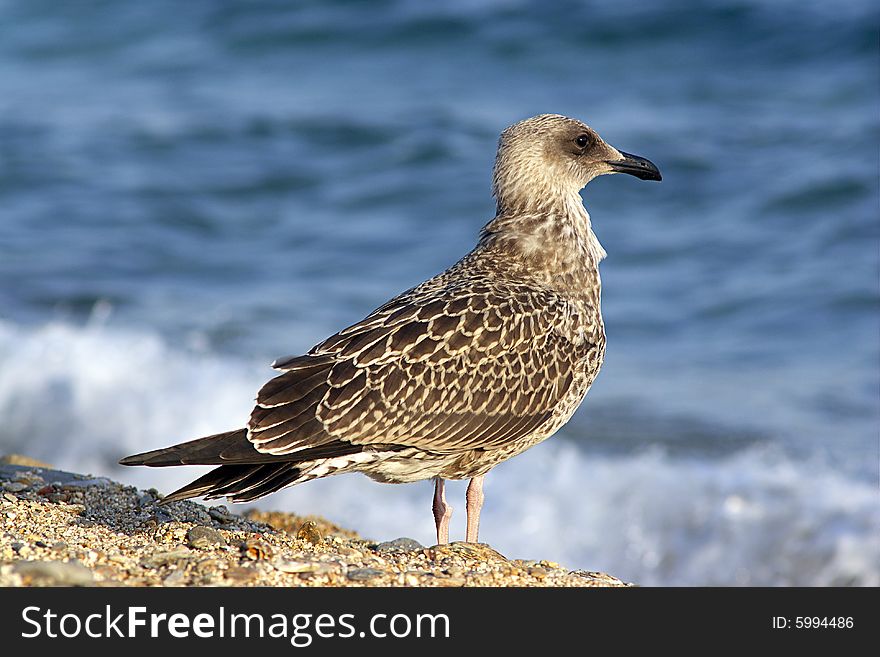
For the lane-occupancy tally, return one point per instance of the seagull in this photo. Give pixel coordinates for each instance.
(455, 375)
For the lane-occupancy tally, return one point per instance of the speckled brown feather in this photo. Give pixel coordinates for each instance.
(453, 376)
(479, 357)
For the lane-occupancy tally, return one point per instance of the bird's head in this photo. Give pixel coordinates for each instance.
(550, 157)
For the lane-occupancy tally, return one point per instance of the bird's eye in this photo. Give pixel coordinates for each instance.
(582, 140)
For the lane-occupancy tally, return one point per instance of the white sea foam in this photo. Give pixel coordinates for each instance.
(79, 396)
(83, 396)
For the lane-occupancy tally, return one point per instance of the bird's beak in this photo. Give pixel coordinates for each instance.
(635, 166)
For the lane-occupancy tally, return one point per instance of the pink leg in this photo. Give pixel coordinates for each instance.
(442, 511)
(474, 504)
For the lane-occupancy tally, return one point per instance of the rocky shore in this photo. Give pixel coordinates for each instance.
(64, 529)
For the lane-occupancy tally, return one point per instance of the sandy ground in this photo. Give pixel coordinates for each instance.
(59, 528)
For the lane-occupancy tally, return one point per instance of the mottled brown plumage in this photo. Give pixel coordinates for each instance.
(455, 375)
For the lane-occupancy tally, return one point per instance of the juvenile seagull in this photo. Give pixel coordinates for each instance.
(456, 375)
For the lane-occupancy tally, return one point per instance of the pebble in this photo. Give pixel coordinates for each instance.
(255, 550)
(220, 513)
(100, 482)
(476, 551)
(315, 567)
(15, 486)
(204, 538)
(290, 566)
(363, 574)
(162, 558)
(450, 581)
(239, 574)
(54, 573)
(177, 578)
(310, 533)
(399, 545)
(160, 517)
(599, 578)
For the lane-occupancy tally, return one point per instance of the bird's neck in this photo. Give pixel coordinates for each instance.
(555, 241)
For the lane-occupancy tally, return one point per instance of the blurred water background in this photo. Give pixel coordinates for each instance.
(189, 190)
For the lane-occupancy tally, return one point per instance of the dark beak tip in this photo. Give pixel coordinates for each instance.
(645, 174)
(637, 166)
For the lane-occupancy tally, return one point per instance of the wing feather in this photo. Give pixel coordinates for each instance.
(464, 371)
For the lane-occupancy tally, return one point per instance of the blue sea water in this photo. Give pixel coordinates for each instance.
(190, 190)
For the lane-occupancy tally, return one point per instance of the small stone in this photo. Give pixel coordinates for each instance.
(399, 545)
(101, 482)
(326, 567)
(289, 566)
(177, 578)
(15, 486)
(346, 551)
(450, 581)
(145, 499)
(537, 572)
(164, 558)
(104, 573)
(31, 479)
(54, 573)
(313, 567)
(255, 550)
(204, 538)
(363, 574)
(220, 513)
(9, 497)
(310, 533)
(600, 579)
(476, 551)
(239, 574)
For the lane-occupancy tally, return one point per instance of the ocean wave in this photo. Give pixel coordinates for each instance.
(82, 396)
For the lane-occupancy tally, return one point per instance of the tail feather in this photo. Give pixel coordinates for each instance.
(246, 474)
(232, 447)
(294, 475)
(245, 483)
(202, 486)
(233, 484)
(231, 480)
(227, 447)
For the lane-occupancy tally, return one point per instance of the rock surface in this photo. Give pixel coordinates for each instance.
(63, 529)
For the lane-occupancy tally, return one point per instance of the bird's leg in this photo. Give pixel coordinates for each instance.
(474, 504)
(442, 511)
